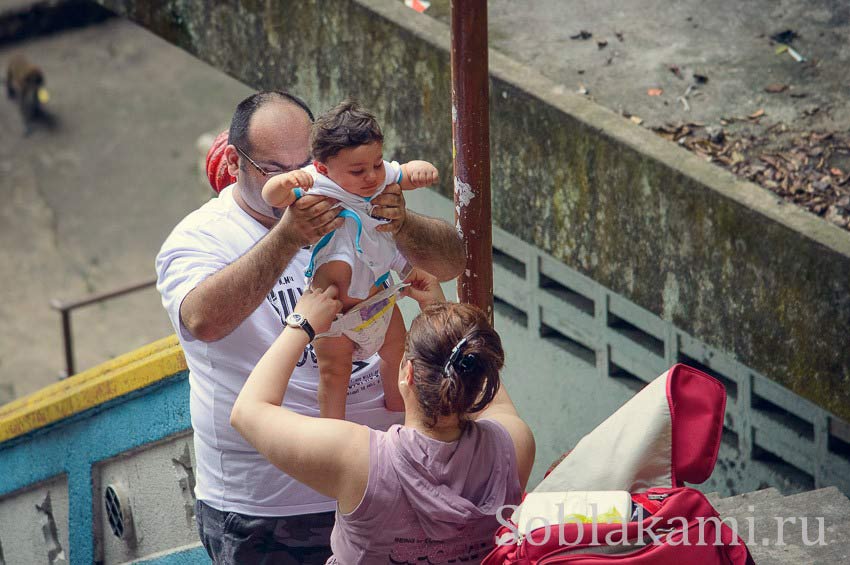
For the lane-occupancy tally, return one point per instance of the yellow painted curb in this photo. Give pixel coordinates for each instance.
(117, 377)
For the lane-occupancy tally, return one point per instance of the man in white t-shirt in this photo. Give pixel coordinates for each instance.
(230, 274)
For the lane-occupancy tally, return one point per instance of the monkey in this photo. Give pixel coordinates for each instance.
(25, 82)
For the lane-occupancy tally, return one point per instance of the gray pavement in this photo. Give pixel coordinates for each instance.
(86, 204)
(771, 119)
(724, 40)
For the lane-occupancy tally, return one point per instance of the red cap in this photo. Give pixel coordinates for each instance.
(217, 172)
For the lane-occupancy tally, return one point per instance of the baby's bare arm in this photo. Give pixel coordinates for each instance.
(416, 174)
(278, 191)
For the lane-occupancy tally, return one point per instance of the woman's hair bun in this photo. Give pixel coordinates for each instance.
(467, 363)
(456, 357)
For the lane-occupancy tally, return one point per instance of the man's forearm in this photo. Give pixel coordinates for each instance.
(222, 301)
(432, 245)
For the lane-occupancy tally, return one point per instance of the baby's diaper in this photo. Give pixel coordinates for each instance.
(366, 324)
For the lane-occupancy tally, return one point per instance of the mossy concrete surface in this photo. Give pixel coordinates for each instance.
(722, 259)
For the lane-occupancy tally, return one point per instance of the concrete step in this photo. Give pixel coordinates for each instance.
(755, 498)
(806, 508)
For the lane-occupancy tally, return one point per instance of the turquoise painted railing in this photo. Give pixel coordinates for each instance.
(65, 439)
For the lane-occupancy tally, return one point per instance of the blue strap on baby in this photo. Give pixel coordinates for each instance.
(382, 279)
(344, 213)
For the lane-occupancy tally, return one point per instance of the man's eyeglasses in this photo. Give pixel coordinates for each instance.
(263, 171)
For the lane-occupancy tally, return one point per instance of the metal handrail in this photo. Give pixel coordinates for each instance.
(65, 309)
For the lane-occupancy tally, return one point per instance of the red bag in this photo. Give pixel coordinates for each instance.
(668, 433)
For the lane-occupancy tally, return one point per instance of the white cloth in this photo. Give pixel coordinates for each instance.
(231, 475)
(380, 253)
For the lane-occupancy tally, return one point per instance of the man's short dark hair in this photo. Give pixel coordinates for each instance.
(238, 134)
(346, 125)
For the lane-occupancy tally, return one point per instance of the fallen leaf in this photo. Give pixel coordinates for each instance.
(781, 49)
(602, 44)
(582, 35)
(837, 172)
(701, 79)
(636, 120)
(786, 37)
(581, 90)
(757, 114)
(776, 88)
(655, 91)
(676, 71)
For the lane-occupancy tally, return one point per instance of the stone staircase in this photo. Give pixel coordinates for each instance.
(756, 514)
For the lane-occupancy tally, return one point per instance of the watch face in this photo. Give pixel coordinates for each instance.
(294, 319)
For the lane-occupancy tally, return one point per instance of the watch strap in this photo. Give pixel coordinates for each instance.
(305, 325)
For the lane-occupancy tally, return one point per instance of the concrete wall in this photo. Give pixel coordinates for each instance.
(34, 523)
(124, 423)
(158, 482)
(722, 259)
(575, 351)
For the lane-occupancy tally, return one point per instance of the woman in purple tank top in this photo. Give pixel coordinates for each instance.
(428, 491)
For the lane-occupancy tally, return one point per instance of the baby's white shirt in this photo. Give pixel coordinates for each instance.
(379, 252)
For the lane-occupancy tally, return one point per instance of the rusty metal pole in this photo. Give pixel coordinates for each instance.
(68, 338)
(471, 150)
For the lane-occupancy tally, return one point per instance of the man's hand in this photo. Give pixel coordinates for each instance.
(309, 218)
(278, 190)
(390, 205)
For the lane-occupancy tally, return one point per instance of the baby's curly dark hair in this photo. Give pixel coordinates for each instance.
(346, 125)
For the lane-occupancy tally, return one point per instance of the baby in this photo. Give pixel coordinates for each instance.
(347, 148)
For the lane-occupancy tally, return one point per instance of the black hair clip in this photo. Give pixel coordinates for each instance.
(461, 364)
(453, 356)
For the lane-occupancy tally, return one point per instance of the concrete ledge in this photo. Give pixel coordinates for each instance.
(23, 19)
(193, 554)
(110, 380)
(721, 259)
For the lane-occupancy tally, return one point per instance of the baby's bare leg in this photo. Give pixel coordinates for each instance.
(391, 353)
(334, 355)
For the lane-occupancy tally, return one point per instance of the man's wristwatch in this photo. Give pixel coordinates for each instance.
(295, 320)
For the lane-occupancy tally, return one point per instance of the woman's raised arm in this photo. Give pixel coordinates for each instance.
(319, 452)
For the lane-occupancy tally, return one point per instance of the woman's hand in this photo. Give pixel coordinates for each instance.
(424, 288)
(319, 307)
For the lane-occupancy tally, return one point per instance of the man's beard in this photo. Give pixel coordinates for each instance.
(253, 198)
